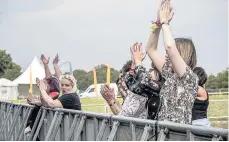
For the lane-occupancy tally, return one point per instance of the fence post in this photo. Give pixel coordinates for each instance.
(113, 131)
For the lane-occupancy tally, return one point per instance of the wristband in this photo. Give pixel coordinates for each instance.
(112, 104)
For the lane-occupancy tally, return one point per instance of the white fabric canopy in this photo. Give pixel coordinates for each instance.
(37, 71)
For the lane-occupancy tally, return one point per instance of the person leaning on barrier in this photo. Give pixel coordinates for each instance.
(199, 110)
(69, 99)
(53, 89)
(180, 89)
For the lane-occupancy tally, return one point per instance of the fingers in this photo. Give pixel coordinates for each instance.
(171, 16)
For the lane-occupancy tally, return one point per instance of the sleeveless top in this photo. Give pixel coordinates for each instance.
(199, 109)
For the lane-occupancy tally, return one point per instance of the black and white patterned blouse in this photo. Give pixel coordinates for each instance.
(177, 95)
(134, 106)
(141, 87)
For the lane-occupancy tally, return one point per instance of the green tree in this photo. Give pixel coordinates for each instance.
(13, 72)
(211, 82)
(222, 79)
(219, 81)
(85, 79)
(8, 69)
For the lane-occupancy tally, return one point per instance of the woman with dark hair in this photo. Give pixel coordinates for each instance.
(199, 110)
(133, 104)
(53, 89)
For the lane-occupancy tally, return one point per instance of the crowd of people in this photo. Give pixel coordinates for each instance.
(172, 90)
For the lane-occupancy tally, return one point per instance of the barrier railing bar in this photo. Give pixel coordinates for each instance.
(13, 123)
(162, 134)
(113, 131)
(190, 136)
(145, 134)
(216, 138)
(96, 127)
(50, 131)
(133, 133)
(2, 112)
(102, 130)
(2, 131)
(35, 124)
(56, 127)
(39, 125)
(80, 127)
(73, 126)
(23, 125)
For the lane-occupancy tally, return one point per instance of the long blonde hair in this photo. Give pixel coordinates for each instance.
(187, 51)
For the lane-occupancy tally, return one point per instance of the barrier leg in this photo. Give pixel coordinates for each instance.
(190, 136)
(145, 134)
(12, 127)
(133, 132)
(73, 126)
(50, 131)
(23, 125)
(101, 130)
(39, 125)
(113, 131)
(80, 127)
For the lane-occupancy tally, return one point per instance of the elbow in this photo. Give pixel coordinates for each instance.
(51, 105)
(150, 51)
(170, 49)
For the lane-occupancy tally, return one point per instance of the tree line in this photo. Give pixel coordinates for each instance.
(10, 70)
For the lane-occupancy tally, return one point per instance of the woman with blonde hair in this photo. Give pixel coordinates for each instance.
(69, 99)
(180, 89)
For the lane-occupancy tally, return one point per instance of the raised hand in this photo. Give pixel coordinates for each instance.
(42, 86)
(137, 53)
(165, 12)
(108, 94)
(56, 60)
(44, 59)
(29, 100)
(37, 82)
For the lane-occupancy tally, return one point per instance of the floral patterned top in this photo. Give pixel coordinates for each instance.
(141, 87)
(134, 106)
(177, 95)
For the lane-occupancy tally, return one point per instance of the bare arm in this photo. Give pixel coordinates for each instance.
(49, 102)
(47, 71)
(58, 72)
(151, 49)
(202, 94)
(46, 67)
(178, 63)
(46, 100)
(179, 66)
(115, 108)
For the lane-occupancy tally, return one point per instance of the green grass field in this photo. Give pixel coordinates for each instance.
(216, 108)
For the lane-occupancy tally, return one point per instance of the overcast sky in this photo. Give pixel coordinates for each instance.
(91, 32)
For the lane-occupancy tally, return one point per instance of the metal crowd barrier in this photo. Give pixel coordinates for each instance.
(72, 125)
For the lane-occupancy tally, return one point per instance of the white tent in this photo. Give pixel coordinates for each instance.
(8, 89)
(37, 70)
